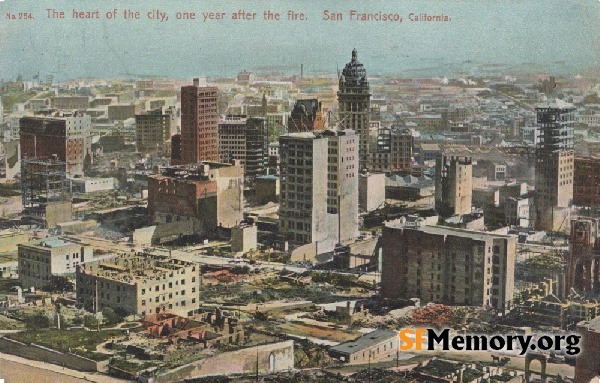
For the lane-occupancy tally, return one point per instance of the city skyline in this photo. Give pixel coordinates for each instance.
(282, 190)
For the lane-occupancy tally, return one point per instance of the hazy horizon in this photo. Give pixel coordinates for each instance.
(545, 36)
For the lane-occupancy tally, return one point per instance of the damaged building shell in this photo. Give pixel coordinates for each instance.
(139, 284)
(207, 196)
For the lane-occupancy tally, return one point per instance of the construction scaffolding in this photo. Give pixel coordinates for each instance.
(46, 190)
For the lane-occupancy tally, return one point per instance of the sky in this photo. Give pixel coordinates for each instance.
(551, 36)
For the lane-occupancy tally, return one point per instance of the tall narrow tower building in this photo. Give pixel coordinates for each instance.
(199, 124)
(354, 99)
(453, 185)
(554, 166)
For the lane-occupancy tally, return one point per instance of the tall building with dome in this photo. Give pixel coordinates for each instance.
(354, 99)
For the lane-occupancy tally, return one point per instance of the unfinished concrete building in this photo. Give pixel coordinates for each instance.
(371, 191)
(139, 284)
(354, 99)
(46, 192)
(554, 166)
(453, 185)
(446, 265)
(583, 268)
(206, 196)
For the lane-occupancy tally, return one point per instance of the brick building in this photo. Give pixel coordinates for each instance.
(199, 124)
(120, 112)
(67, 136)
(586, 182)
(394, 152)
(587, 369)
(207, 196)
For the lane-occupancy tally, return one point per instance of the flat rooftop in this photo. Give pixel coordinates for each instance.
(52, 243)
(444, 230)
(364, 342)
(591, 325)
(130, 268)
(555, 104)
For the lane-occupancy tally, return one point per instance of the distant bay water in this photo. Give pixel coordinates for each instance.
(482, 37)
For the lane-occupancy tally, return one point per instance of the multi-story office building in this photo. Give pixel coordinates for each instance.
(447, 265)
(554, 166)
(354, 99)
(139, 284)
(453, 185)
(319, 204)
(394, 151)
(257, 147)
(199, 124)
(66, 136)
(154, 130)
(41, 259)
(244, 139)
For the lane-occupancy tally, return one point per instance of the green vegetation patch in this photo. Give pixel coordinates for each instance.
(66, 340)
(131, 367)
(11, 99)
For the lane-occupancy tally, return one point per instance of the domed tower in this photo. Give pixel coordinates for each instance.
(354, 102)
